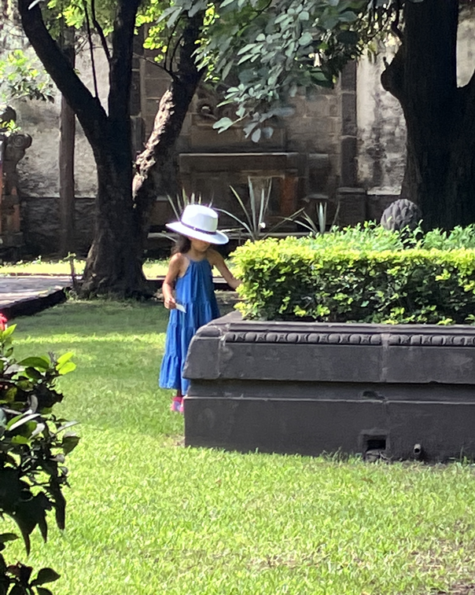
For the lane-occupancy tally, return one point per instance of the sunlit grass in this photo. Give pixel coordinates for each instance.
(152, 268)
(147, 516)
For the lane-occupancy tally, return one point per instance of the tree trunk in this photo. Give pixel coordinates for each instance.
(155, 162)
(440, 172)
(113, 263)
(66, 162)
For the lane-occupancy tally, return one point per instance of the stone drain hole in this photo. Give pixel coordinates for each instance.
(374, 447)
(375, 443)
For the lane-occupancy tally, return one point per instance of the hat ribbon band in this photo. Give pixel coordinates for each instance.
(212, 233)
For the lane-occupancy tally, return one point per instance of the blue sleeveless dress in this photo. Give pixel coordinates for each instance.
(195, 291)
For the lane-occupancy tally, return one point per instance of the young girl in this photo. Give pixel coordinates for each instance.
(188, 291)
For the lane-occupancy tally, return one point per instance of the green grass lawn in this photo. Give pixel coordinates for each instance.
(147, 516)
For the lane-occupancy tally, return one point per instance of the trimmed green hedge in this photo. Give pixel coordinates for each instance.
(329, 279)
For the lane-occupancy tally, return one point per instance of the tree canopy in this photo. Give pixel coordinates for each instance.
(265, 49)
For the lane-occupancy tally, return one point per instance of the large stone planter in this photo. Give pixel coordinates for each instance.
(403, 391)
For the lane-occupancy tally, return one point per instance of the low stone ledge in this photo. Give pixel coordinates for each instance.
(406, 390)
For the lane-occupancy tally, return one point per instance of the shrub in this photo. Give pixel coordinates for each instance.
(459, 237)
(33, 444)
(329, 280)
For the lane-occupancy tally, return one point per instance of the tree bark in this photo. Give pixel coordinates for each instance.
(440, 171)
(66, 162)
(156, 161)
(112, 264)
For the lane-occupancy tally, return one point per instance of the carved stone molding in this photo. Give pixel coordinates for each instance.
(299, 337)
(231, 329)
(434, 340)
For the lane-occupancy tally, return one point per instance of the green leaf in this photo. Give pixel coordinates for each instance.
(306, 39)
(62, 359)
(65, 426)
(7, 332)
(4, 537)
(19, 439)
(66, 368)
(33, 374)
(69, 443)
(256, 135)
(45, 575)
(40, 362)
(18, 421)
(223, 124)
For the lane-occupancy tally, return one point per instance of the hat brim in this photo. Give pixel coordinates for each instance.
(218, 237)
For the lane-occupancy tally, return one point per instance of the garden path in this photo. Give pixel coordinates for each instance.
(28, 294)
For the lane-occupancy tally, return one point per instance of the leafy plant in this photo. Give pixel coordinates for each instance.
(458, 237)
(318, 225)
(329, 279)
(179, 202)
(21, 77)
(254, 222)
(33, 446)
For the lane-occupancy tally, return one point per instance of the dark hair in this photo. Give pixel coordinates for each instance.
(182, 244)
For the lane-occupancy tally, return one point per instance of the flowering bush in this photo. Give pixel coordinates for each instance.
(33, 446)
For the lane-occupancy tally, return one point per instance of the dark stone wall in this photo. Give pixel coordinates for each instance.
(40, 224)
(404, 391)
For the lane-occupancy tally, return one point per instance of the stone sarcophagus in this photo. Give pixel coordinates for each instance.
(398, 392)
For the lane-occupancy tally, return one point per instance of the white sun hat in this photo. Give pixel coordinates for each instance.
(201, 223)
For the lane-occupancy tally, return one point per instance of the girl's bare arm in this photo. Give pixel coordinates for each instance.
(174, 269)
(216, 260)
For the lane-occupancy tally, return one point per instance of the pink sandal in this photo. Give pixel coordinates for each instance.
(177, 404)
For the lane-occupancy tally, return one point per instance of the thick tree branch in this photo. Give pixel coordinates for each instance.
(173, 108)
(91, 51)
(121, 62)
(392, 78)
(90, 113)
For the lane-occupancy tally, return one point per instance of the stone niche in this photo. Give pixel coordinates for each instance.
(402, 392)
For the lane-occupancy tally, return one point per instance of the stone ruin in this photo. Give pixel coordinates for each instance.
(12, 149)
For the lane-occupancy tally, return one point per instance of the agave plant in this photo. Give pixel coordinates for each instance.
(179, 203)
(253, 223)
(319, 226)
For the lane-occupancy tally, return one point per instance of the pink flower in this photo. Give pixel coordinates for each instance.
(3, 322)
